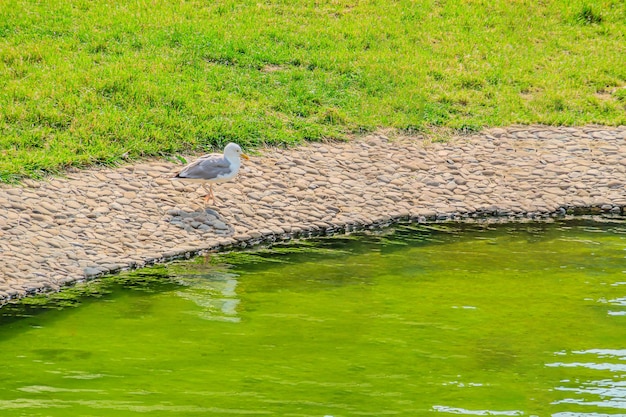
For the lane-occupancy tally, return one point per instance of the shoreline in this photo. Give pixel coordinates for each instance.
(98, 221)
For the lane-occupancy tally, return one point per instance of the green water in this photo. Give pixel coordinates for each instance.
(526, 319)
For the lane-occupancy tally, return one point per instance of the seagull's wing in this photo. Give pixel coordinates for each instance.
(206, 167)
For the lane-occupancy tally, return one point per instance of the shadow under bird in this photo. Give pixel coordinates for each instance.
(213, 168)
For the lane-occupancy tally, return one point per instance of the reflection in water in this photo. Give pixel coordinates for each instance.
(215, 293)
(604, 393)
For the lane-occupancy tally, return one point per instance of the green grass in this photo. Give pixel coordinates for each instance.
(85, 82)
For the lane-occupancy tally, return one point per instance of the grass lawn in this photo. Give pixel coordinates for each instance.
(84, 82)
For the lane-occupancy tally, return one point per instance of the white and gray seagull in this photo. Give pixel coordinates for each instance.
(213, 168)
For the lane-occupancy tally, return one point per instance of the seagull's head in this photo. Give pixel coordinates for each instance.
(232, 151)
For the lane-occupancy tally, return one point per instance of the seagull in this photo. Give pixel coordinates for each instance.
(213, 168)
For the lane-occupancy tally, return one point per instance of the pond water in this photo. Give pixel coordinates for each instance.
(508, 320)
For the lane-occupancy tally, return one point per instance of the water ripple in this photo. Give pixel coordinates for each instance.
(600, 393)
(570, 414)
(463, 411)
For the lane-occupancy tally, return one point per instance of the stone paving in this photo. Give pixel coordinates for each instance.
(98, 221)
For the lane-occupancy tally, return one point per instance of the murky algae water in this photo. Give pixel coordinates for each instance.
(510, 320)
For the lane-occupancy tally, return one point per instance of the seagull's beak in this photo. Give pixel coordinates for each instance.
(244, 156)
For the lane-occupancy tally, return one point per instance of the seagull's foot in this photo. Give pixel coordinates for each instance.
(211, 198)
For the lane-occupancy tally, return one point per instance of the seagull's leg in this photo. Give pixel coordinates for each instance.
(213, 195)
(208, 195)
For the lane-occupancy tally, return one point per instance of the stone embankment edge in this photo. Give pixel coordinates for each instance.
(594, 213)
(495, 164)
(602, 213)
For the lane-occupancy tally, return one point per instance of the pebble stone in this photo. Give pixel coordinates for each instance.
(64, 230)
